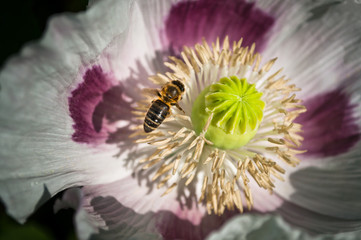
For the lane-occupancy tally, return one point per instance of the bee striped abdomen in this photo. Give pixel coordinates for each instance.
(156, 114)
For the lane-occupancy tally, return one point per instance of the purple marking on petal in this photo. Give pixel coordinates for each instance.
(189, 21)
(125, 223)
(89, 105)
(329, 127)
(172, 227)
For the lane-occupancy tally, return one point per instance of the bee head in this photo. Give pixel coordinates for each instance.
(179, 84)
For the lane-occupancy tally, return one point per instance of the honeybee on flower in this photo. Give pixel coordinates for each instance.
(72, 115)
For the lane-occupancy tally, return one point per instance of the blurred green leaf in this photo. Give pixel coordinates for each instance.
(11, 230)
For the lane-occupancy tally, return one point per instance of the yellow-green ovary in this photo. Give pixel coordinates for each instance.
(237, 112)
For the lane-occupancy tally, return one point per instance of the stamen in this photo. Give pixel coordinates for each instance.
(264, 106)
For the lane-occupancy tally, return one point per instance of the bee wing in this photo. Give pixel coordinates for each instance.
(150, 92)
(159, 79)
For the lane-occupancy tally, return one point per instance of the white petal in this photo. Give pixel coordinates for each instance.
(124, 210)
(326, 187)
(38, 157)
(289, 16)
(313, 56)
(257, 227)
(330, 186)
(263, 201)
(328, 190)
(89, 226)
(154, 14)
(142, 196)
(270, 227)
(324, 56)
(316, 223)
(342, 236)
(332, 189)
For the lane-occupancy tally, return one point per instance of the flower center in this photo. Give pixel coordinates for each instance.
(237, 112)
(224, 133)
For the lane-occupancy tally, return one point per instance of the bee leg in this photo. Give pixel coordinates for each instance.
(179, 107)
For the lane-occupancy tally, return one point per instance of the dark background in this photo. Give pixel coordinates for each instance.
(22, 21)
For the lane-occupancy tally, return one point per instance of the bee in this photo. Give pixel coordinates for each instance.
(170, 95)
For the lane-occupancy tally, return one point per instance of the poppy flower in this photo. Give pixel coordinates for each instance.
(73, 108)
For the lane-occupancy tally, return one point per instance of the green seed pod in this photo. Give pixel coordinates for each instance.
(237, 112)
